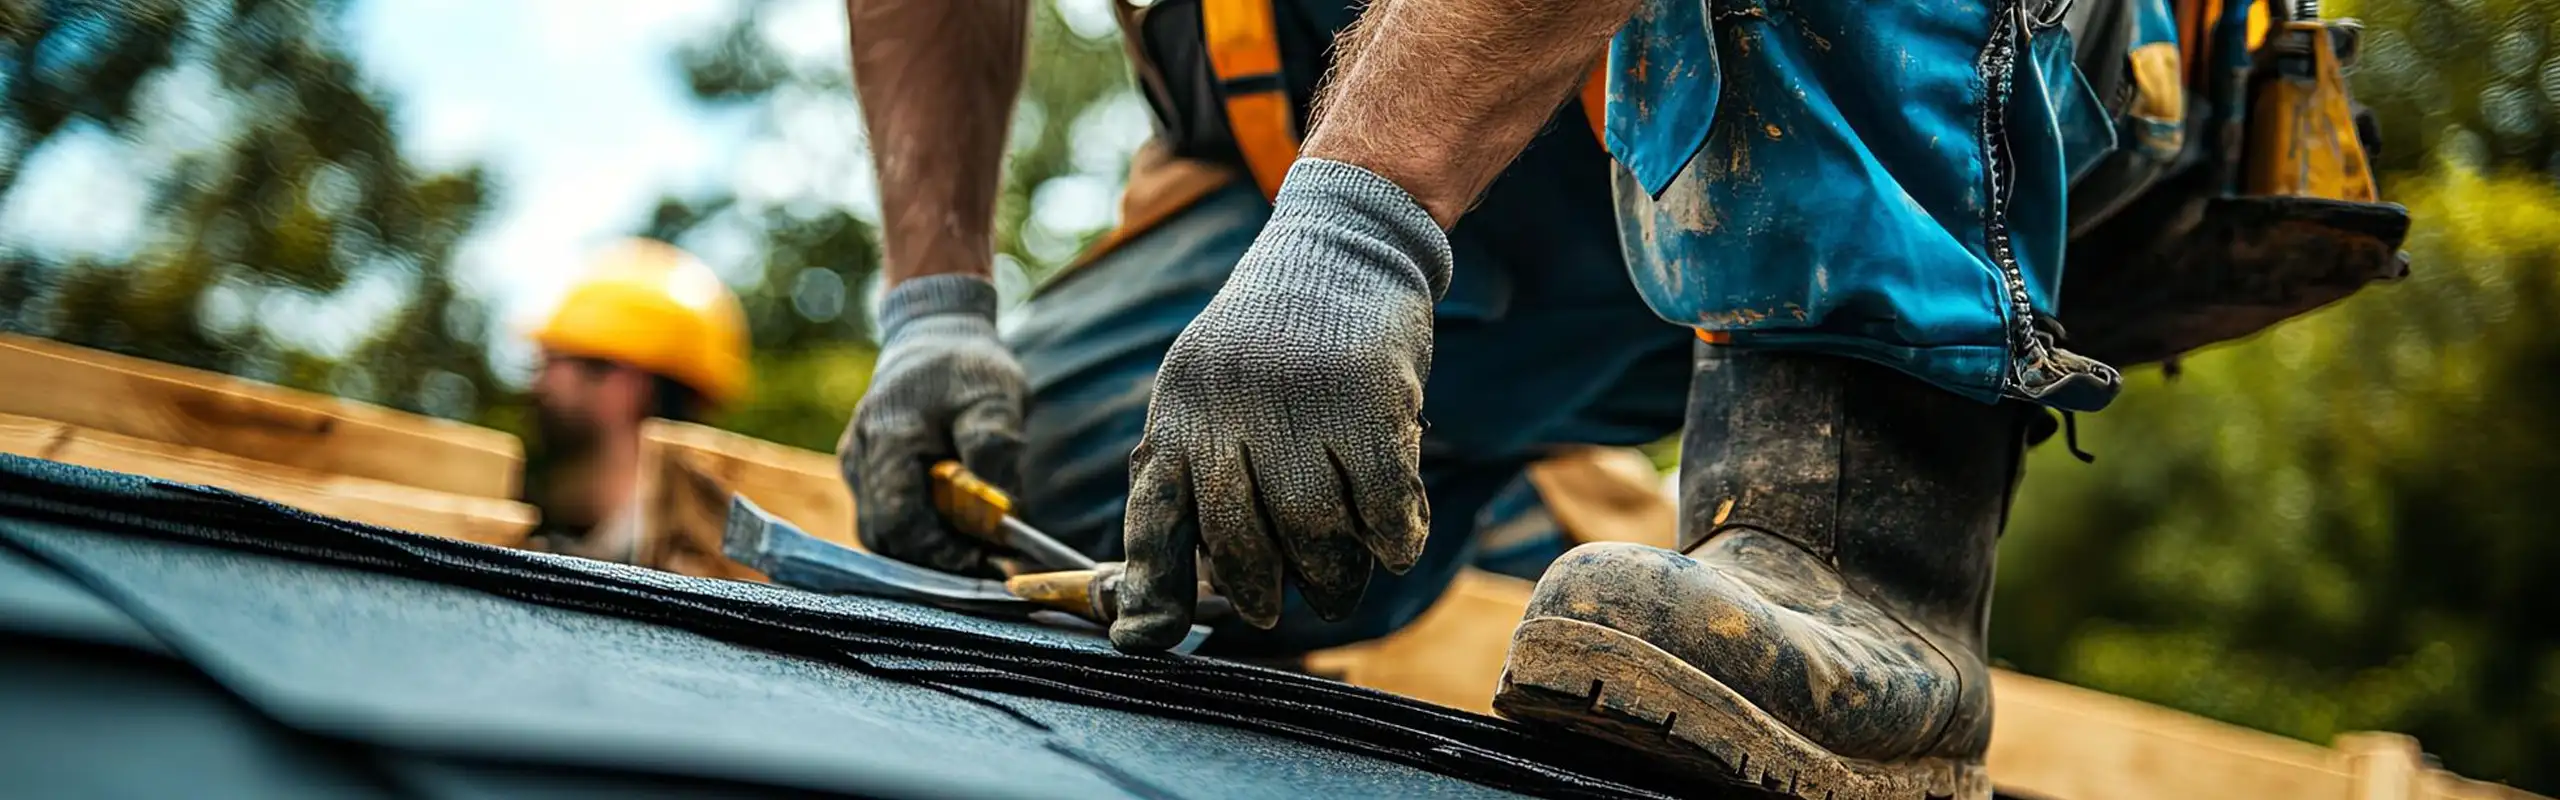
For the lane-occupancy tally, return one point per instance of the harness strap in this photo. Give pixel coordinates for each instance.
(1244, 54)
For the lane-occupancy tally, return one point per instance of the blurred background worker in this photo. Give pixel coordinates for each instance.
(1541, 339)
(647, 331)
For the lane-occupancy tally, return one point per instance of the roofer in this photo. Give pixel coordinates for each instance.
(646, 331)
(1859, 209)
(1541, 340)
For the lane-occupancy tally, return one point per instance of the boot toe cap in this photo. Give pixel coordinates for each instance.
(1782, 634)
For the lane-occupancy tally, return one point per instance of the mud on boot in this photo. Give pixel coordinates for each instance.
(1820, 632)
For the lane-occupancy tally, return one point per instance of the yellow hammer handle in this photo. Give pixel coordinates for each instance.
(973, 505)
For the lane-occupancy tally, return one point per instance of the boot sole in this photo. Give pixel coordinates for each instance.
(1606, 684)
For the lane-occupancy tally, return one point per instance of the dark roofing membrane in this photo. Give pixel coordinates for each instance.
(162, 639)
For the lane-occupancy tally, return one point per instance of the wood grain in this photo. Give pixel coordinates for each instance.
(688, 473)
(802, 486)
(191, 408)
(480, 519)
(2055, 740)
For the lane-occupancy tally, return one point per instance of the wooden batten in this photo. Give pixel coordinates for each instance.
(1451, 655)
(2051, 739)
(802, 486)
(156, 402)
(688, 473)
(480, 519)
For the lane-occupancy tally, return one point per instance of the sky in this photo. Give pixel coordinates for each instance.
(580, 112)
(574, 104)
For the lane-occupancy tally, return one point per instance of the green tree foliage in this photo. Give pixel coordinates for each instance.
(287, 184)
(2473, 81)
(2338, 525)
(813, 259)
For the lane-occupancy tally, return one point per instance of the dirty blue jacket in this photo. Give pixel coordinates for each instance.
(1878, 180)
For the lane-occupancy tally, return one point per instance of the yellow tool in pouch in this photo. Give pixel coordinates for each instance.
(2302, 139)
(2270, 209)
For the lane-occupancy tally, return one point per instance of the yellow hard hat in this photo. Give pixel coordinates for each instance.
(653, 306)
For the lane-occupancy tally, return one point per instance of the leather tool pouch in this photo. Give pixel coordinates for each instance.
(2170, 252)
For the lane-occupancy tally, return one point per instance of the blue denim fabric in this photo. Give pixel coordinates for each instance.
(1884, 181)
(1540, 341)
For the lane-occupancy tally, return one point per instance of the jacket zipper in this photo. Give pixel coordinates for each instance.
(2039, 370)
(1999, 69)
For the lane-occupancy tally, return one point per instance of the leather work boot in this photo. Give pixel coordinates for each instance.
(1821, 631)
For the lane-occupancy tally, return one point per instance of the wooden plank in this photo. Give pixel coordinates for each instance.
(196, 409)
(802, 486)
(35, 438)
(2055, 740)
(480, 519)
(2385, 766)
(682, 513)
(1606, 494)
(2391, 766)
(687, 474)
(1452, 655)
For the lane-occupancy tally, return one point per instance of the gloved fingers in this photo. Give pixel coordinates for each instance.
(1385, 486)
(988, 435)
(893, 503)
(1234, 527)
(1159, 584)
(1311, 516)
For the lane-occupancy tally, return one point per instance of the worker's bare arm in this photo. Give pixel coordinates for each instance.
(938, 81)
(1439, 95)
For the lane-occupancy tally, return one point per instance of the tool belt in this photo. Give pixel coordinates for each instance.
(2241, 193)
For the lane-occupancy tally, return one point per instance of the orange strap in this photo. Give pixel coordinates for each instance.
(1244, 55)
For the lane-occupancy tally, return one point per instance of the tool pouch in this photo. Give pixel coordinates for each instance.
(2259, 208)
(2248, 263)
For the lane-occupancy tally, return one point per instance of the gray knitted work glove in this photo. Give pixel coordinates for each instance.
(944, 387)
(1285, 434)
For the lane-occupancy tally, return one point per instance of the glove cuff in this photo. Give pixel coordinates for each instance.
(1324, 191)
(933, 295)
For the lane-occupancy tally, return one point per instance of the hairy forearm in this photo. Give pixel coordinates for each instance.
(938, 80)
(1440, 95)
